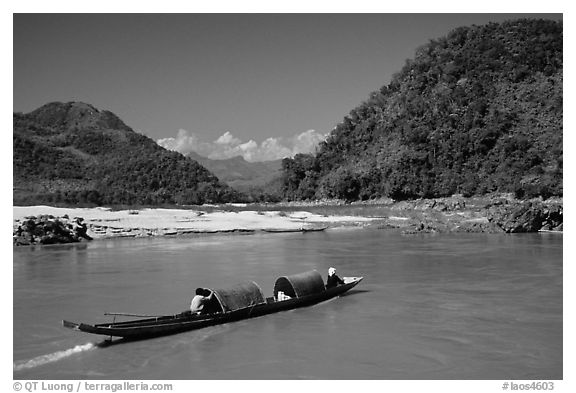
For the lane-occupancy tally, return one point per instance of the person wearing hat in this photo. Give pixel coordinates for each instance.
(333, 280)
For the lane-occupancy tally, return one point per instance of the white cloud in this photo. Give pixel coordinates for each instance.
(228, 146)
(228, 139)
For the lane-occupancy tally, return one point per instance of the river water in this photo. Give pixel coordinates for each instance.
(430, 307)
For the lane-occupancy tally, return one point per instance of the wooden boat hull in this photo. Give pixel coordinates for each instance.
(172, 324)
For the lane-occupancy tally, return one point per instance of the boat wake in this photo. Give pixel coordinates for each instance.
(52, 357)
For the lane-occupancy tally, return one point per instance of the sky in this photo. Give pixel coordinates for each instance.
(258, 85)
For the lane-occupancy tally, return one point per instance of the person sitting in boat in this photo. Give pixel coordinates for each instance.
(201, 300)
(333, 280)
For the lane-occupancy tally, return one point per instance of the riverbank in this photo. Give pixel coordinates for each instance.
(495, 214)
(105, 223)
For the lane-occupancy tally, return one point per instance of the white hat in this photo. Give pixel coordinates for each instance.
(331, 271)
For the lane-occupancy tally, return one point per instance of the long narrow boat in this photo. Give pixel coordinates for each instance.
(232, 304)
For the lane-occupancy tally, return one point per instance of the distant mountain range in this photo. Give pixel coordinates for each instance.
(239, 173)
(74, 153)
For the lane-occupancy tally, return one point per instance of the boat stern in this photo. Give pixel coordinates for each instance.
(71, 325)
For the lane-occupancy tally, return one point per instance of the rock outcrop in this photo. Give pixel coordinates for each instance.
(529, 216)
(47, 229)
(494, 214)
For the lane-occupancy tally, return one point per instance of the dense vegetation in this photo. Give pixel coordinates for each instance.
(475, 112)
(72, 153)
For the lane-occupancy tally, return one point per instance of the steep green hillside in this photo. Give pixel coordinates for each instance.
(74, 153)
(477, 111)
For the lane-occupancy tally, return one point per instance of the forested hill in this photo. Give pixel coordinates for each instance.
(74, 153)
(477, 111)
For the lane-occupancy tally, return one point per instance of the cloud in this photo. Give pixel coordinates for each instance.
(228, 146)
(228, 139)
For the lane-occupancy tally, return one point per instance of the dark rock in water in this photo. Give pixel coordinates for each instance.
(526, 217)
(47, 229)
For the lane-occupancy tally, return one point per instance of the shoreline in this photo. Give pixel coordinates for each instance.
(493, 214)
(105, 223)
